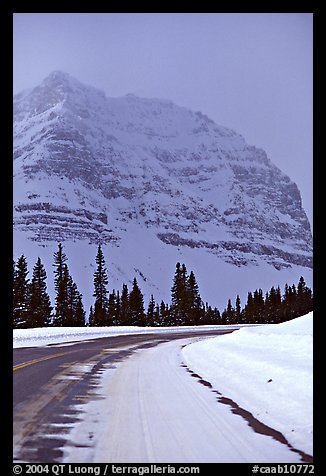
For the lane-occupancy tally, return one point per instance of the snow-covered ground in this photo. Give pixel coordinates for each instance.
(59, 335)
(266, 370)
(150, 404)
(148, 409)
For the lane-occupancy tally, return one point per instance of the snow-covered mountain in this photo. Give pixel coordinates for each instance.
(155, 183)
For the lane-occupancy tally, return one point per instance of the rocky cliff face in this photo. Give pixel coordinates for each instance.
(88, 168)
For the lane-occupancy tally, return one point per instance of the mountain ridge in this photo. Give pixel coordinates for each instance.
(88, 168)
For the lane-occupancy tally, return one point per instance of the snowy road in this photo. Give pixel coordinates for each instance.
(127, 400)
(53, 384)
(154, 411)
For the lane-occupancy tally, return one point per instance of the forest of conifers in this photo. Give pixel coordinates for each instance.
(32, 305)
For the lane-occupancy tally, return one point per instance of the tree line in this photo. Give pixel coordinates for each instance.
(32, 306)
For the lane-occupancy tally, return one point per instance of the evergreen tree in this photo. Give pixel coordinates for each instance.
(80, 314)
(72, 296)
(217, 316)
(136, 306)
(176, 294)
(249, 311)
(112, 308)
(278, 304)
(272, 309)
(69, 309)
(117, 317)
(230, 313)
(181, 302)
(269, 305)
(238, 315)
(156, 320)
(185, 298)
(39, 306)
(124, 307)
(100, 291)
(163, 315)
(151, 312)
(209, 315)
(259, 303)
(100, 315)
(20, 294)
(195, 314)
(294, 294)
(224, 317)
(304, 298)
(75, 315)
(91, 316)
(61, 287)
(289, 303)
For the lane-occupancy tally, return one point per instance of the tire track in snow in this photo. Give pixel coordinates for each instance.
(152, 411)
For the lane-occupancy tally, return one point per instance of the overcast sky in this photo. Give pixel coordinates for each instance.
(249, 72)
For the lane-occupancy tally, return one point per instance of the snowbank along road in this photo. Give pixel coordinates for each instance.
(128, 399)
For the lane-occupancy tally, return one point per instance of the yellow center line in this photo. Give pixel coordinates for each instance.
(35, 361)
(42, 359)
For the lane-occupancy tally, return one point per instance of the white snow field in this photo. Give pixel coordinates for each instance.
(266, 370)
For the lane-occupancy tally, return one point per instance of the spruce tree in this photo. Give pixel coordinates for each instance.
(186, 298)
(80, 314)
(61, 287)
(272, 309)
(217, 316)
(72, 296)
(39, 305)
(212, 316)
(69, 309)
(124, 307)
(304, 298)
(180, 297)
(156, 320)
(151, 312)
(176, 295)
(289, 302)
(91, 316)
(278, 304)
(20, 294)
(136, 306)
(249, 310)
(238, 315)
(75, 315)
(112, 303)
(259, 305)
(230, 313)
(294, 300)
(224, 317)
(117, 317)
(209, 315)
(100, 291)
(163, 315)
(195, 303)
(100, 315)
(269, 305)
